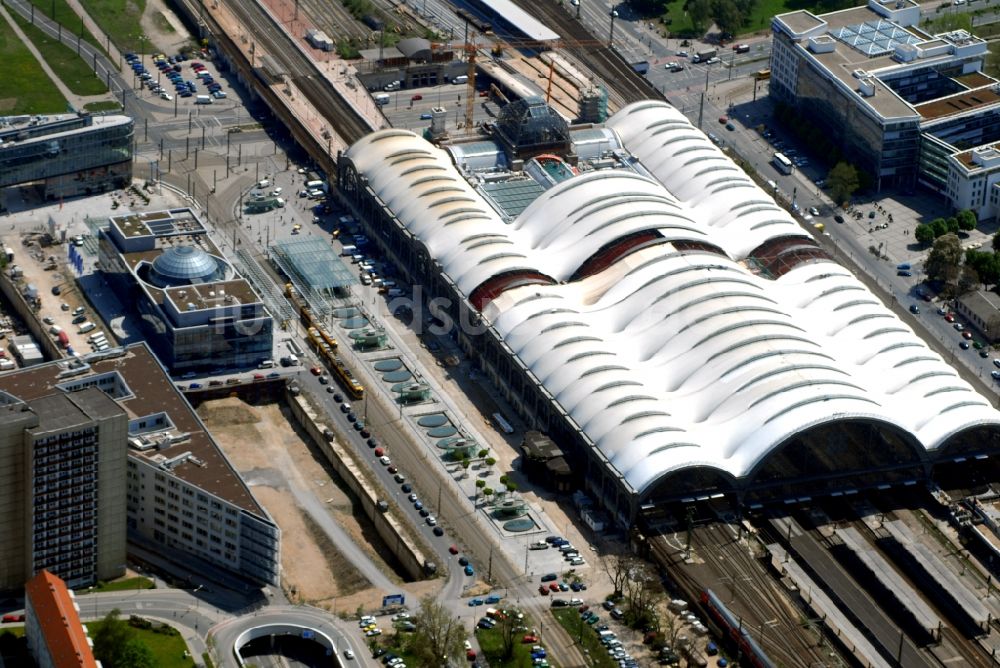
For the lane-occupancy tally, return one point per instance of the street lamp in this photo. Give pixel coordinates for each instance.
(611, 37)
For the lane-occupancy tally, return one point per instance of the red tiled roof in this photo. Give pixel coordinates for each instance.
(61, 628)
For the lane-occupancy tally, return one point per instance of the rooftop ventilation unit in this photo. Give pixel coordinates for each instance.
(859, 74)
(866, 87)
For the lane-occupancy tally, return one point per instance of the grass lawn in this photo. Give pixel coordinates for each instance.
(119, 19)
(95, 107)
(168, 650)
(677, 20)
(127, 583)
(491, 643)
(60, 12)
(25, 88)
(69, 67)
(584, 633)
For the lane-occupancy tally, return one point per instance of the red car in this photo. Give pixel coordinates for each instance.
(553, 587)
(258, 376)
(949, 318)
(392, 469)
(453, 549)
(967, 334)
(470, 654)
(379, 452)
(416, 97)
(315, 371)
(543, 590)
(528, 639)
(13, 618)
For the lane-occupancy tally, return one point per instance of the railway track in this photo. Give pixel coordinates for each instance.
(617, 75)
(779, 633)
(332, 17)
(340, 116)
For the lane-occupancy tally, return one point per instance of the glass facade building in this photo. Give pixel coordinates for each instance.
(71, 154)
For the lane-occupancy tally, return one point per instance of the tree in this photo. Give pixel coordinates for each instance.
(944, 259)
(115, 646)
(490, 462)
(483, 453)
(966, 220)
(952, 223)
(985, 264)
(508, 632)
(940, 227)
(924, 233)
(968, 280)
(700, 12)
(643, 592)
(511, 486)
(618, 567)
(727, 16)
(843, 181)
(996, 242)
(438, 635)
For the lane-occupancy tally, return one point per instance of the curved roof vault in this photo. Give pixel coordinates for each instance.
(671, 359)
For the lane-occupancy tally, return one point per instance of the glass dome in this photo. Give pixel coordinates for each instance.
(184, 265)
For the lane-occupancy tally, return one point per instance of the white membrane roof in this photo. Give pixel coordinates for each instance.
(667, 359)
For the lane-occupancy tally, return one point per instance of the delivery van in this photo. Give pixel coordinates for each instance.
(86, 327)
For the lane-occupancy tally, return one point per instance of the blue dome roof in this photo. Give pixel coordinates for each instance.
(183, 265)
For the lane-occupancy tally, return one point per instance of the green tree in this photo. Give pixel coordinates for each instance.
(924, 233)
(940, 227)
(511, 486)
(700, 12)
(944, 259)
(116, 647)
(135, 654)
(968, 280)
(438, 635)
(996, 242)
(952, 223)
(843, 181)
(727, 16)
(966, 220)
(985, 264)
(483, 453)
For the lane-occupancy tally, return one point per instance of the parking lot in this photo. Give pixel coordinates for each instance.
(177, 77)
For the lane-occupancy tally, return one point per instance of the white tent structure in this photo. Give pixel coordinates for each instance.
(678, 354)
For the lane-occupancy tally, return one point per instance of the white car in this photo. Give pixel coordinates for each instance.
(348, 654)
(164, 95)
(468, 645)
(814, 211)
(385, 461)
(682, 54)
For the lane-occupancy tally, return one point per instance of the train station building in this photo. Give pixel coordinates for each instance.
(643, 302)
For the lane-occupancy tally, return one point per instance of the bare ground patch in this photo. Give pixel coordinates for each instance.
(256, 438)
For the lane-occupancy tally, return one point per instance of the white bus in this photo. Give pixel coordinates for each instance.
(782, 163)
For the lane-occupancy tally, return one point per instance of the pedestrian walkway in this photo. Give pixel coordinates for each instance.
(77, 101)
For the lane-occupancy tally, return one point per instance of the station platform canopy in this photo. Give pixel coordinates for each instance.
(515, 17)
(312, 265)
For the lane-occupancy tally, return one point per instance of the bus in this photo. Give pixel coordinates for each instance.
(782, 164)
(762, 75)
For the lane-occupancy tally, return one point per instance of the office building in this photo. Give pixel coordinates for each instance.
(66, 155)
(904, 106)
(198, 313)
(62, 484)
(177, 494)
(56, 637)
(649, 307)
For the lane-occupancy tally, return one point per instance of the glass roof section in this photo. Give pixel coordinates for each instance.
(312, 264)
(512, 197)
(874, 38)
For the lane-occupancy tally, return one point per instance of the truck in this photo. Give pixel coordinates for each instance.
(203, 99)
(640, 67)
(707, 54)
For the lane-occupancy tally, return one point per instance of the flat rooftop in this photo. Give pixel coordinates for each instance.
(158, 223)
(20, 130)
(957, 104)
(864, 41)
(211, 295)
(152, 393)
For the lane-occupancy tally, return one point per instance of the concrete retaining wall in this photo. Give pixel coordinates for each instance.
(28, 316)
(388, 529)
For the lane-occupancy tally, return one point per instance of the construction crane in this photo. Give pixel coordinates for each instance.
(471, 50)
